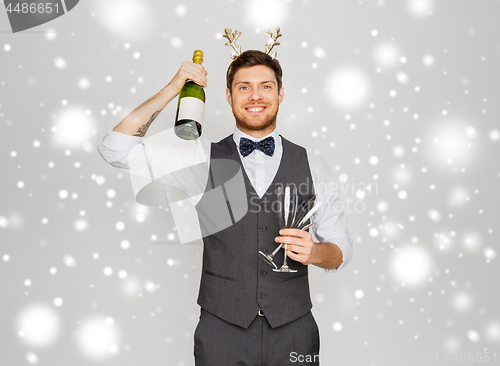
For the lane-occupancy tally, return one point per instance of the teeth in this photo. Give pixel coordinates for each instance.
(256, 109)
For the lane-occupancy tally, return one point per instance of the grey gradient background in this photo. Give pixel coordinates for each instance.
(64, 298)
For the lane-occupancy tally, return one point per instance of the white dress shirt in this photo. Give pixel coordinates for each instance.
(127, 153)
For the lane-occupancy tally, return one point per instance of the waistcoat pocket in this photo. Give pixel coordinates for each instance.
(293, 277)
(210, 273)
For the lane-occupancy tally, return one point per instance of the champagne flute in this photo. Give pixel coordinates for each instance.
(269, 257)
(289, 213)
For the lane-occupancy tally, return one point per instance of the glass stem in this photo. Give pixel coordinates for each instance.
(284, 260)
(275, 250)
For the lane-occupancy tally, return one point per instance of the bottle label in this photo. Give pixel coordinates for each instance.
(191, 108)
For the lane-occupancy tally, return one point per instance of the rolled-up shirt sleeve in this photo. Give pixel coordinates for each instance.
(330, 221)
(162, 158)
(115, 148)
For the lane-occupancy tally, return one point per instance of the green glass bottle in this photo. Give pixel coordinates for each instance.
(191, 107)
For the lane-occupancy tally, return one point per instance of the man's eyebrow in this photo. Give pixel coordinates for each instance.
(262, 82)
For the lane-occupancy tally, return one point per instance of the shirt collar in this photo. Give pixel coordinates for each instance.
(238, 134)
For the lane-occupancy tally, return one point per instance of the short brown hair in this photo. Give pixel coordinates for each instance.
(253, 58)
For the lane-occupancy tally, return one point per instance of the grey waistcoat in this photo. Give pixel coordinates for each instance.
(236, 281)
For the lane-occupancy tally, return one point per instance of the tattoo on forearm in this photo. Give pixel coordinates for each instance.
(143, 129)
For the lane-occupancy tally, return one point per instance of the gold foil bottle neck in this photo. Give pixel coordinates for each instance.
(198, 57)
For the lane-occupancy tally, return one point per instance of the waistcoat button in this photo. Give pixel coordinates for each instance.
(262, 295)
(263, 273)
(262, 228)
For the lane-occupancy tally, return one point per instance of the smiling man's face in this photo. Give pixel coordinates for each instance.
(255, 100)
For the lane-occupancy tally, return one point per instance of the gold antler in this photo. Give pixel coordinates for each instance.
(273, 36)
(232, 37)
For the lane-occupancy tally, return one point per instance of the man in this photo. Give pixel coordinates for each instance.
(250, 315)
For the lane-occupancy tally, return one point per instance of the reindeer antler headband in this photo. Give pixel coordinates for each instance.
(233, 36)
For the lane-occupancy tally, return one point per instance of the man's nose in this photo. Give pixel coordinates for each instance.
(255, 94)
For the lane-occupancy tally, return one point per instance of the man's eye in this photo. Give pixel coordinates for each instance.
(267, 87)
(243, 88)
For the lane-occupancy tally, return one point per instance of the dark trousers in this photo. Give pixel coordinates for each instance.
(219, 343)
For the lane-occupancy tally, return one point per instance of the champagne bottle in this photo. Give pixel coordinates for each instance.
(191, 107)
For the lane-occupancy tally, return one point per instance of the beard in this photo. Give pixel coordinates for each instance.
(255, 124)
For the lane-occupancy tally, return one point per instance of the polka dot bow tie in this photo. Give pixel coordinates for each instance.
(266, 146)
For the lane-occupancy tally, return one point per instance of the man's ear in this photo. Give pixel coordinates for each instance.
(229, 97)
(281, 95)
